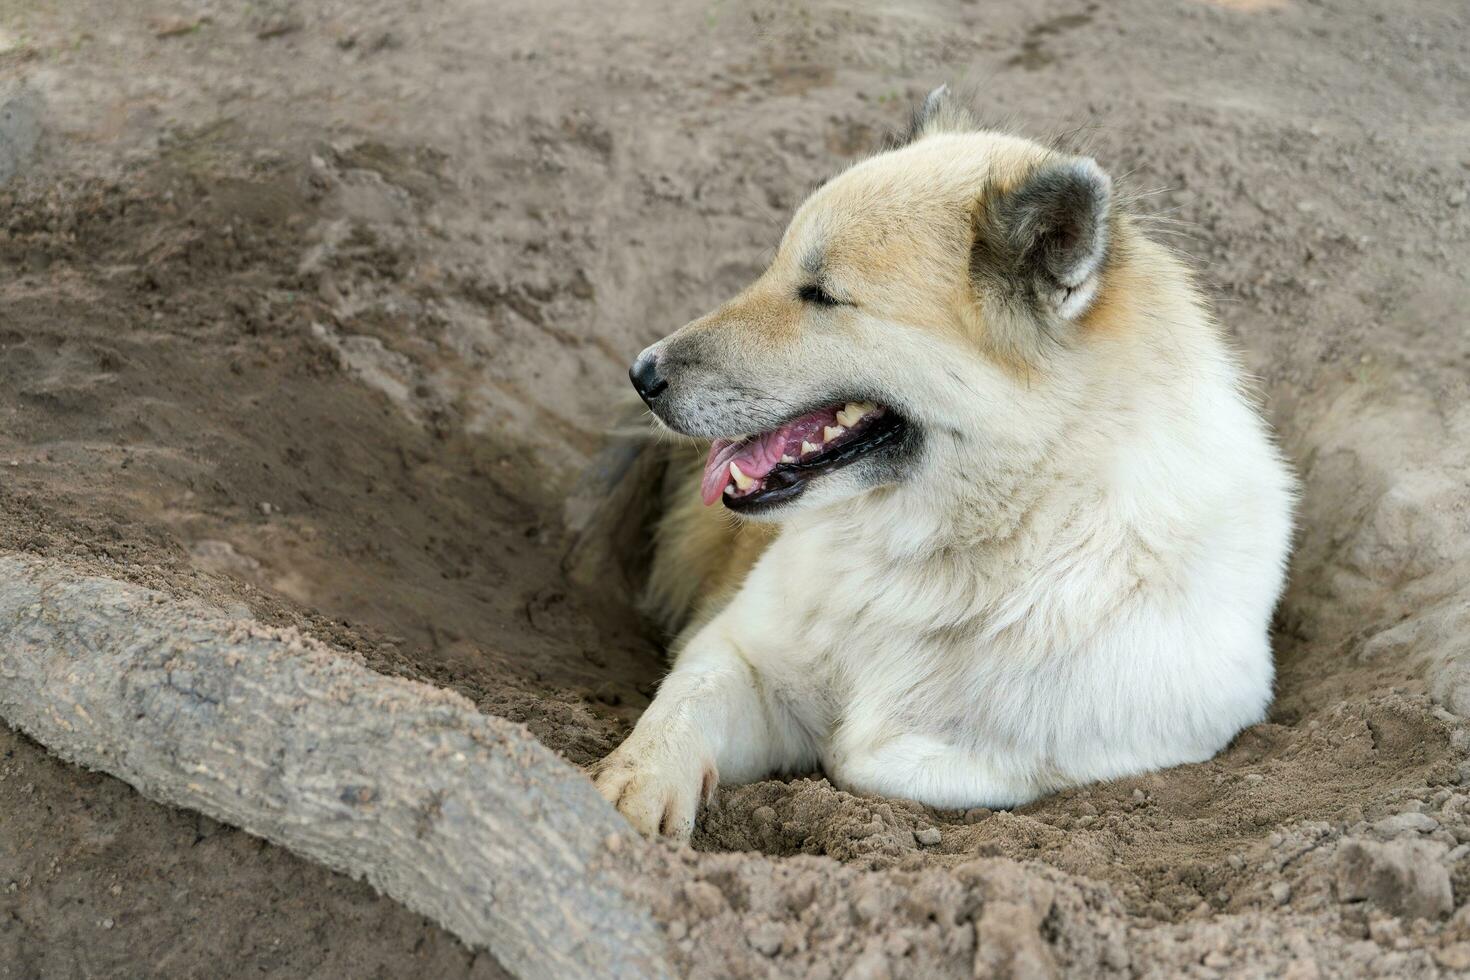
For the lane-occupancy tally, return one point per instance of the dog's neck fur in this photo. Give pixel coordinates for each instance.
(1003, 506)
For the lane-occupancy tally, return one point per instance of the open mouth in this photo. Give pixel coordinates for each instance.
(773, 467)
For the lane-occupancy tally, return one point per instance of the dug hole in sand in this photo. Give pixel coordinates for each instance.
(308, 334)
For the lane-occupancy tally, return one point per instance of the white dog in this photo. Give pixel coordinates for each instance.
(1008, 520)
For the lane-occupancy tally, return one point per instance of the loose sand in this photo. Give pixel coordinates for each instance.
(315, 311)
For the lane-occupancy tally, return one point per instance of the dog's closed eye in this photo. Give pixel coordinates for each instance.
(816, 294)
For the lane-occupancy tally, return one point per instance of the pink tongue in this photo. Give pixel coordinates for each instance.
(758, 455)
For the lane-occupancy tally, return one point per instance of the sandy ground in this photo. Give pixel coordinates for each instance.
(316, 311)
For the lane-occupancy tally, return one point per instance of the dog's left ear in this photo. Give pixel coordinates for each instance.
(940, 112)
(1047, 239)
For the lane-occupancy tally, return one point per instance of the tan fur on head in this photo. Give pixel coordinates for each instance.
(925, 237)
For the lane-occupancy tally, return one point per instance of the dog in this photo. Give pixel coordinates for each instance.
(1006, 518)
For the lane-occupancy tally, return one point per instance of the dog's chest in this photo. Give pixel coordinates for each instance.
(846, 635)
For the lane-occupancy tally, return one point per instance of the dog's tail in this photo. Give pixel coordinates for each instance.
(612, 507)
(641, 535)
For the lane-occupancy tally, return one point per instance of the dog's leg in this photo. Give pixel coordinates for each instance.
(921, 767)
(711, 719)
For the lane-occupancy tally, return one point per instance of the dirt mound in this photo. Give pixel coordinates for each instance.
(320, 320)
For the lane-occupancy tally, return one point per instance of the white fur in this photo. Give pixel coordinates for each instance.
(1074, 584)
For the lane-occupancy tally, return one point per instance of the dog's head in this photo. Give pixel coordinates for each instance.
(907, 309)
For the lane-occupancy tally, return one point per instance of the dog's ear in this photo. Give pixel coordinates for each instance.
(938, 113)
(1047, 238)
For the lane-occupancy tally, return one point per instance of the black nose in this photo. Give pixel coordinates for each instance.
(646, 379)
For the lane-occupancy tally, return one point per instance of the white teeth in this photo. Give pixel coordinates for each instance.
(852, 413)
(832, 432)
(807, 448)
(741, 480)
(787, 458)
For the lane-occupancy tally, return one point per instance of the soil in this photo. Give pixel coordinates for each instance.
(319, 312)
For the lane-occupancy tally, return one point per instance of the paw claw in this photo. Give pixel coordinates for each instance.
(612, 783)
(658, 790)
(707, 786)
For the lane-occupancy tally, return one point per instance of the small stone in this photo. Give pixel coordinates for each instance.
(613, 843)
(384, 41)
(897, 946)
(1139, 796)
(1303, 969)
(1455, 956)
(279, 26)
(1253, 777)
(1385, 932)
(1236, 861)
(1401, 877)
(1216, 960)
(107, 923)
(765, 938)
(175, 26)
(1409, 822)
(1281, 893)
(1458, 197)
(870, 906)
(872, 965)
(929, 836)
(705, 899)
(678, 930)
(267, 509)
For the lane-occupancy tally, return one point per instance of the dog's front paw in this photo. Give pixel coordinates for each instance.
(658, 784)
